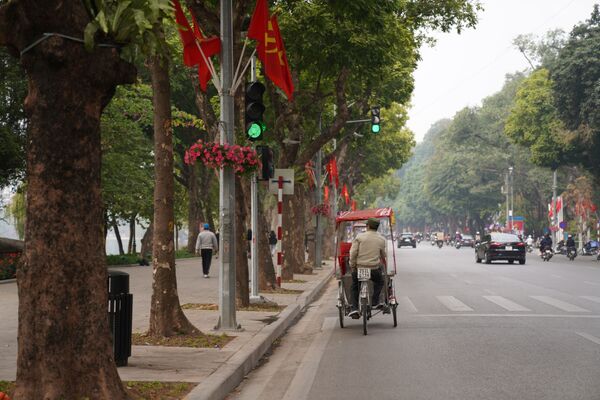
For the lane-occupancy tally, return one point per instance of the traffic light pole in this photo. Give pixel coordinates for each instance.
(254, 296)
(227, 246)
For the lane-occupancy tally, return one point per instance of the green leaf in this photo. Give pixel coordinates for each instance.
(101, 18)
(118, 13)
(88, 35)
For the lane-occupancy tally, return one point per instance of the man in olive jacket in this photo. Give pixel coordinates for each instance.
(368, 251)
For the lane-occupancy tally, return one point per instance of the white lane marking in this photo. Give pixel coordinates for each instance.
(456, 315)
(592, 283)
(589, 337)
(506, 303)
(489, 291)
(595, 299)
(561, 305)
(406, 305)
(305, 375)
(453, 304)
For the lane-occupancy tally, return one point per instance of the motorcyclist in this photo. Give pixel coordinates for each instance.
(367, 251)
(529, 242)
(546, 243)
(570, 242)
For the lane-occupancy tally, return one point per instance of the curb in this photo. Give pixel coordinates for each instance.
(228, 376)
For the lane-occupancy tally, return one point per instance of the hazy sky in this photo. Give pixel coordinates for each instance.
(461, 70)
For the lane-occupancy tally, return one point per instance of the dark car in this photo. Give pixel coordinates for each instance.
(500, 246)
(467, 241)
(407, 239)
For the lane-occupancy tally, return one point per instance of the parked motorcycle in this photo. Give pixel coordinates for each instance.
(529, 248)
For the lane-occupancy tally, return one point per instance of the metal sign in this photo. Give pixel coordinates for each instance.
(288, 181)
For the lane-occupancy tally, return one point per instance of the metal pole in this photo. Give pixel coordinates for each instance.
(254, 214)
(319, 218)
(512, 204)
(506, 184)
(227, 179)
(554, 216)
(279, 269)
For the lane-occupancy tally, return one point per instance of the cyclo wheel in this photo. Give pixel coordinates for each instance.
(342, 307)
(364, 305)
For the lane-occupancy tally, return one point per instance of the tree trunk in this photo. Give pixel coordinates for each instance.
(166, 316)
(147, 240)
(266, 269)
(242, 292)
(131, 248)
(293, 234)
(63, 333)
(115, 227)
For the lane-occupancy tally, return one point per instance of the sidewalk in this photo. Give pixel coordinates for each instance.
(216, 370)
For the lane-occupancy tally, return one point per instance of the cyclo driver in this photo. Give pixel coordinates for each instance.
(367, 251)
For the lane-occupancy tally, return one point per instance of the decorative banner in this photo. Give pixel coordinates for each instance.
(270, 49)
(193, 40)
(310, 173)
(325, 194)
(346, 194)
(353, 206)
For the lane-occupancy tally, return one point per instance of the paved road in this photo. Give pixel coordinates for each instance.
(466, 331)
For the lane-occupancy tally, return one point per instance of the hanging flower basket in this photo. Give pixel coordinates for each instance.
(243, 160)
(321, 209)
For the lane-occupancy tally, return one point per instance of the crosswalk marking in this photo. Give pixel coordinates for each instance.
(589, 337)
(506, 303)
(595, 299)
(453, 304)
(561, 305)
(406, 305)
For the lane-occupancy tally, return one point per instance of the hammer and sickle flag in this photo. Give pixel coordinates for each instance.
(270, 48)
(191, 39)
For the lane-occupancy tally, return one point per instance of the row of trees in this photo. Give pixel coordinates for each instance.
(542, 120)
(94, 151)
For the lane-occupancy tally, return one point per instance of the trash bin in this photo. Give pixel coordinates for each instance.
(120, 314)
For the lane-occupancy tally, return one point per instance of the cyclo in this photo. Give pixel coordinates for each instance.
(350, 222)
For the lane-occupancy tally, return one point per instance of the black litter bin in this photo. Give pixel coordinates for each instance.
(120, 314)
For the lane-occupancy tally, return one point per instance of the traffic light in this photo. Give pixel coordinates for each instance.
(267, 160)
(375, 120)
(254, 111)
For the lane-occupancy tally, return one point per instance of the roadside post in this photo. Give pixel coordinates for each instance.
(283, 184)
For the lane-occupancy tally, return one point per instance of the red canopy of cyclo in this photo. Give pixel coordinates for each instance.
(360, 215)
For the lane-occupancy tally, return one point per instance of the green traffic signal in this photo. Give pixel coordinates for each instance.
(254, 131)
(375, 119)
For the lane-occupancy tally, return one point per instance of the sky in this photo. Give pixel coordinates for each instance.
(461, 70)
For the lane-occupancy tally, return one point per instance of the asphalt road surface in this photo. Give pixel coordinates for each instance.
(465, 331)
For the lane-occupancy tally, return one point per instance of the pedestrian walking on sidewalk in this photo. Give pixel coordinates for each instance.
(272, 241)
(206, 244)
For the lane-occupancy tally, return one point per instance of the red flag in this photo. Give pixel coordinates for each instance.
(325, 194)
(346, 194)
(353, 206)
(276, 64)
(270, 48)
(334, 172)
(190, 39)
(258, 25)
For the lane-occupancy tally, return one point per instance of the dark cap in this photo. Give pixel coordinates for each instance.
(373, 223)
